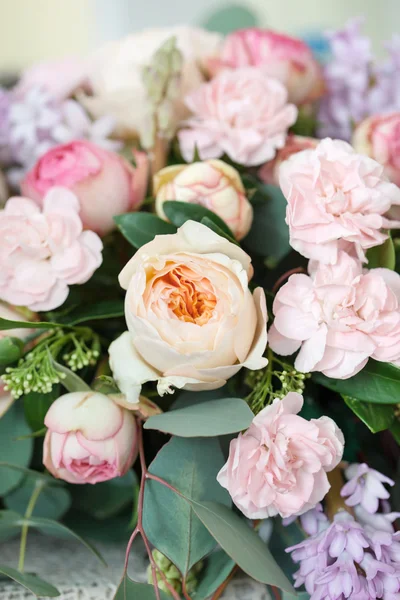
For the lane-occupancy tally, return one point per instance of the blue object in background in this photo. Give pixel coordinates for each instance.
(319, 44)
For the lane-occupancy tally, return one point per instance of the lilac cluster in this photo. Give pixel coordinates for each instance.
(355, 558)
(32, 122)
(357, 86)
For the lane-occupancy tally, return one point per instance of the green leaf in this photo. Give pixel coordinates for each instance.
(16, 452)
(131, 590)
(11, 519)
(376, 417)
(282, 538)
(53, 502)
(382, 256)
(113, 529)
(378, 382)
(33, 583)
(104, 500)
(269, 234)
(191, 466)
(395, 431)
(36, 405)
(180, 212)
(241, 543)
(229, 18)
(221, 232)
(139, 228)
(11, 349)
(29, 472)
(208, 419)
(70, 380)
(106, 309)
(217, 569)
(6, 324)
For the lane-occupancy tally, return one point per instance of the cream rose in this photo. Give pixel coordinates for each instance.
(193, 322)
(213, 184)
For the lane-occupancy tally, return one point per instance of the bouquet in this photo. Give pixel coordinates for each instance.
(200, 312)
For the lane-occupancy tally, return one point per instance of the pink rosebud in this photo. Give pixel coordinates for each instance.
(337, 199)
(379, 137)
(338, 318)
(90, 438)
(283, 57)
(60, 78)
(211, 183)
(269, 173)
(104, 182)
(279, 465)
(243, 113)
(42, 252)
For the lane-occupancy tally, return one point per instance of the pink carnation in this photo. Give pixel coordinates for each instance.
(335, 196)
(339, 318)
(243, 113)
(42, 252)
(279, 465)
(283, 57)
(269, 173)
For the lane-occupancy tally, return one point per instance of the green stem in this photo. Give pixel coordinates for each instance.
(24, 532)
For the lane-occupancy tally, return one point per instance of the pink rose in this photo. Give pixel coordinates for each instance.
(60, 78)
(89, 439)
(379, 137)
(269, 172)
(42, 252)
(242, 113)
(116, 75)
(105, 183)
(279, 465)
(193, 322)
(211, 183)
(285, 58)
(339, 317)
(336, 199)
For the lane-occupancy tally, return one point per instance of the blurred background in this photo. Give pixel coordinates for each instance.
(34, 30)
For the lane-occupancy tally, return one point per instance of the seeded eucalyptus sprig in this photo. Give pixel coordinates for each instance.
(36, 372)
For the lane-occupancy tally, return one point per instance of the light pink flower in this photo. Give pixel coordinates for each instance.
(243, 113)
(211, 183)
(60, 78)
(42, 252)
(336, 196)
(283, 57)
(105, 183)
(269, 172)
(89, 439)
(339, 318)
(279, 465)
(379, 137)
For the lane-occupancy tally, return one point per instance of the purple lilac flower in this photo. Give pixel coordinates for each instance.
(313, 521)
(384, 96)
(365, 487)
(5, 103)
(349, 561)
(347, 75)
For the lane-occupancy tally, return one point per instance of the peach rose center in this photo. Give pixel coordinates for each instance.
(187, 294)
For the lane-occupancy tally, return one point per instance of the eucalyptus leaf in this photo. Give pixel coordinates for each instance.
(376, 417)
(16, 452)
(241, 543)
(131, 590)
(191, 466)
(229, 18)
(208, 419)
(113, 529)
(139, 228)
(105, 309)
(180, 212)
(31, 582)
(53, 501)
(23, 471)
(11, 349)
(378, 383)
(269, 233)
(36, 405)
(383, 256)
(70, 380)
(217, 569)
(6, 324)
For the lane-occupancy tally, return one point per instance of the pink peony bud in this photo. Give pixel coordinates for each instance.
(105, 183)
(211, 183)
(90, 438)
(279, 465)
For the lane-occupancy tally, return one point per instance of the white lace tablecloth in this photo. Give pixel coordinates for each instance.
(79, 576)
